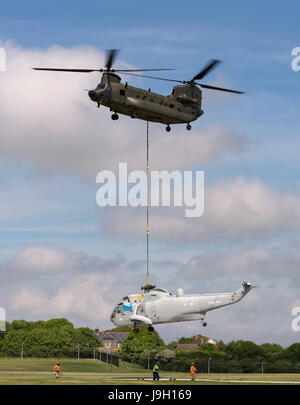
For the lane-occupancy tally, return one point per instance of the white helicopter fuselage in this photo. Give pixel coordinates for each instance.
(156, 306)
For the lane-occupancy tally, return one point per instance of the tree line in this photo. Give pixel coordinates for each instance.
(59, 338)
(52, 338)
(238, 356)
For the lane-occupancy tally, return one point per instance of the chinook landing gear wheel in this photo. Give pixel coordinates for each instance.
(114, 117)
(150, 329)
(204, 324)
(168, 128)
(188, 127)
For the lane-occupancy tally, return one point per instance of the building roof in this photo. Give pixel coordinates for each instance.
(187, 346)
(198, 341)
(194, 344)
(118, 337)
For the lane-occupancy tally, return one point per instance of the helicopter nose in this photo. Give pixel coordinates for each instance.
(93, 95)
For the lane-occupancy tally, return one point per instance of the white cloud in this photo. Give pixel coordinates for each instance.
(40, 259)
(233, 209)
(83, 297)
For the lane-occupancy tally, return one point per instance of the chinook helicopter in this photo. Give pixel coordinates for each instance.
(157, 306)
(184, 105)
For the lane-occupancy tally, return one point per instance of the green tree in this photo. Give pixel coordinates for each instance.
(184, 340)
(244, 349)
(136, 343)
(173, 345)
(272, 351)
(293, 352)
(165, 355)
(86, 340)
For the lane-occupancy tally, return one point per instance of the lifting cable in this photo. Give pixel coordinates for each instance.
(148, 286)
(148, 198)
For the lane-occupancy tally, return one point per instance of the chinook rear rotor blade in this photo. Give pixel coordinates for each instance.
(153, 77)
(206, 86)
(211, 65)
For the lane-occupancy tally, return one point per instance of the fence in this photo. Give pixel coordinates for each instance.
(215, 365)
(79, 352)
(109, 358)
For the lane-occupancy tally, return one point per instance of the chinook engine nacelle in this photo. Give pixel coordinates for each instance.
(187, 94)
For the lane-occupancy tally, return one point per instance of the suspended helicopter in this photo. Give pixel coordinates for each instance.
(184, 105)
(157, 306)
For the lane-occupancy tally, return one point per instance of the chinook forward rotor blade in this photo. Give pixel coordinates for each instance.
(206, 86)
(211, 65)
(68, 70)
(110, 58)
(98, 70)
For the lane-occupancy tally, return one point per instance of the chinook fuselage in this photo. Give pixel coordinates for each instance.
(182, 106)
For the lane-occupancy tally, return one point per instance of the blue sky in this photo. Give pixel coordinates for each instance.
(51, 154)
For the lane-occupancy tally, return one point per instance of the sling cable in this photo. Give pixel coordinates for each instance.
(148, 286)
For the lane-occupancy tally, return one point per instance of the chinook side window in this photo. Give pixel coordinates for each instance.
(122, 92)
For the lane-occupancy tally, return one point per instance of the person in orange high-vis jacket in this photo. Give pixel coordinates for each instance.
(57, 370)
(193, 371)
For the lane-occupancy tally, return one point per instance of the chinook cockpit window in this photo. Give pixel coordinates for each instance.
(101, 86)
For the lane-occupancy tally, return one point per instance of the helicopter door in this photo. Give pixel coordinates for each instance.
(154, 312)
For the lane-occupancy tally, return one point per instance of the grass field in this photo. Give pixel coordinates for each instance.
(93, 372)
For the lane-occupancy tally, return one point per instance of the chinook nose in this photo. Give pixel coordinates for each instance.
(93, 95)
